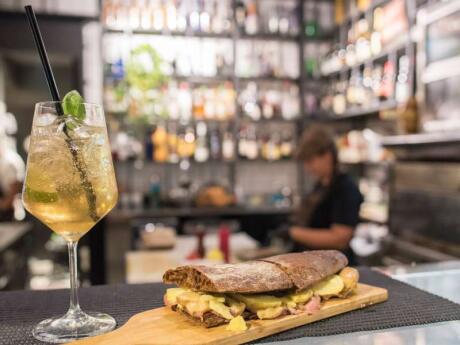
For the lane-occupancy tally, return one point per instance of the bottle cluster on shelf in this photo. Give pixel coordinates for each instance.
(275, 17)
(201, 16)
(369, 36)
(375, 205)
(369, 86)
(269, 101)
(318, 18)
(262, 142)
(200, 142)
(255, 58)
(361, 146)
(181, 101)
(180, 56)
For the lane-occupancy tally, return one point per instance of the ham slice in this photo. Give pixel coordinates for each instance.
(313, 306)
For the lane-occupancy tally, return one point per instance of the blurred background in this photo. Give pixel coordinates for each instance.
(205, 101)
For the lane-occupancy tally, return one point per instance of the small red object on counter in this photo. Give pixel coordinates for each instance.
(224, 241)
(201, 251)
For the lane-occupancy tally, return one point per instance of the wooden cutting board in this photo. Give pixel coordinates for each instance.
(163, 326)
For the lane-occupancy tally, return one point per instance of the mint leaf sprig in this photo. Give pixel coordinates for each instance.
(74, 109)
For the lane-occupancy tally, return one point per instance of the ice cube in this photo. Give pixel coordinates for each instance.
(80, 131)
(45, 119)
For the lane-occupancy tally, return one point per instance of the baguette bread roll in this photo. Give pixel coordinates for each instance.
(294, 271)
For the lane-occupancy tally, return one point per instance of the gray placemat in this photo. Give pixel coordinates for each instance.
(407, 306)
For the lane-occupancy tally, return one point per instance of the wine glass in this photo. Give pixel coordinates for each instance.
(69, 186)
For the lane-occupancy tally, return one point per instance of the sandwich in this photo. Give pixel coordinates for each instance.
(295, 283)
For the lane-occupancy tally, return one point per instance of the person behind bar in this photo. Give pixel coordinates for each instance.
(329, 214)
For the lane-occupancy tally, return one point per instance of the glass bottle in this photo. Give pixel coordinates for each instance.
(171, 15)
(240, 15)
(228, 146)
(311, 24)
(215, 144)
(251, 22)
(201, 153)
(158, 15)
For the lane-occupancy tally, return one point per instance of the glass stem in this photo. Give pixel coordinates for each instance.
(74, 305)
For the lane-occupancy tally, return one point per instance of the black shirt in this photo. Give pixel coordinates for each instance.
(339, 205)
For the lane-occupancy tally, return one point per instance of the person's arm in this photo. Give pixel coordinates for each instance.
(336, 237)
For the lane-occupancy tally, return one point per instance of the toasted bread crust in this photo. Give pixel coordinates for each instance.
(297, 271)
(245, 277)
(307, 268)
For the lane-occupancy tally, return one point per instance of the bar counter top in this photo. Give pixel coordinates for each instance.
(442, 279)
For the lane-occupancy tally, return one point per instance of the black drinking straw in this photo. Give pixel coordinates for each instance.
(44, 57)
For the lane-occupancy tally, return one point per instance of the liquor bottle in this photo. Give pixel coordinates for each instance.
(229, 98)
(225, 14)
(215, 144)
(171, 15)
(362, 44)
(251, 24)
(267, 106)
(160, 144)
(252, 147)
(273, 22)
(173, 156)
(367, 85)
(181, 24)
(228, 146)
(240, 15)
(146, 15)
(339, 102)
(198, 104)
(376, 36)
(171, 101)
(194, 16)
(325, 15)
(121, 13)
(248, 102)
(363, 5)
(311, 24)
(387, 85)
(311, 63)
(286, 147)
(242, 141)
(184, 100)
(377, 73)
(283, 24)
(202, 151)
(402, 92)
(217, 20)
(205, 16)
(108, 13)
(186, 143)
(134, 15)
(290, 107)
(158, 15)
(148, 146)
(339, 6)
(272, 147)
(209, 103)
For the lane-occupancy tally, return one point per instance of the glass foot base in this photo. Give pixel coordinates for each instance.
(72, 326)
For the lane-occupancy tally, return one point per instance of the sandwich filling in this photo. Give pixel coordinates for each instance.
(212, 309)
